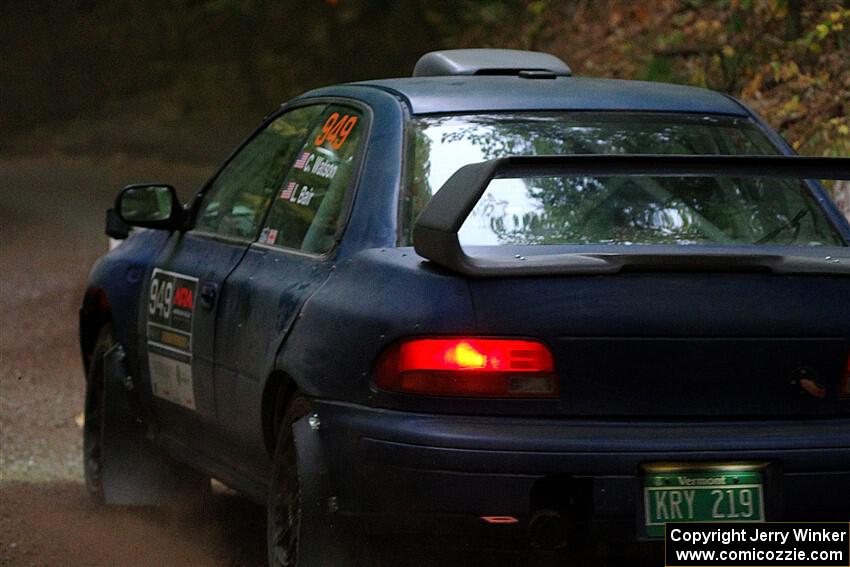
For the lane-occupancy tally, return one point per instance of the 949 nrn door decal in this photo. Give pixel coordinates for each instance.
(171, 307)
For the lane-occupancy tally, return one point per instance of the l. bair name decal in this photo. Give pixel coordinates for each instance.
(171, 308)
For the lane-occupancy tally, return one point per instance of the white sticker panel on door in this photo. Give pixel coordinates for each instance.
(171, 307)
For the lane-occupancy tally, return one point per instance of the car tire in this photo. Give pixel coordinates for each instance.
(284, 505)
(93, 414)
(172, 483)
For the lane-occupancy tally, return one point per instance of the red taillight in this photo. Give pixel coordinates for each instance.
(844, 390)
(496, 368)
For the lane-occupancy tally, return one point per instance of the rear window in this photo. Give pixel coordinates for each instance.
(612, 210)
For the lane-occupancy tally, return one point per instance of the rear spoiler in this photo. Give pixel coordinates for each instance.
(435, 234)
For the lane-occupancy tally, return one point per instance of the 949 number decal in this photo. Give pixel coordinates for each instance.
(162, 292)
(171, 299)
(336, 129)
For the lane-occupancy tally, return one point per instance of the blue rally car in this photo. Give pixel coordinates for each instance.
(488, 299)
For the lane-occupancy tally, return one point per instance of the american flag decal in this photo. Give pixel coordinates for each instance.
(299, 163)
(286, 194)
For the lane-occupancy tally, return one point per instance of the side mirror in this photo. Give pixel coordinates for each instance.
(115, 227)
(150, 206)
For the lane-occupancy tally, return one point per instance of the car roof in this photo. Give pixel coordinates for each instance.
(459, 94)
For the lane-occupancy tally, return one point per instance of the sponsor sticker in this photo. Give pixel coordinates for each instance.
(171, 308)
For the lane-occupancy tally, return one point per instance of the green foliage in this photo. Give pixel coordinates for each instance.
(660, 69)
(788, 59)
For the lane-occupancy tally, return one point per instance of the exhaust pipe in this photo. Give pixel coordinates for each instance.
(548, 530)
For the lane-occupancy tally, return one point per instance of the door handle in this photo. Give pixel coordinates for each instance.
(208, 294)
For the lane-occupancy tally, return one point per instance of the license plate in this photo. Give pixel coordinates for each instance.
(707, 493)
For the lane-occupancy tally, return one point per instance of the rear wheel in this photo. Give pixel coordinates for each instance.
(284, 506)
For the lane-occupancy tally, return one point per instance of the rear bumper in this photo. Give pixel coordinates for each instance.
(401, 471)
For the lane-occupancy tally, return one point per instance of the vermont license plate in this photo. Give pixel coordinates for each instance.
(707, 493)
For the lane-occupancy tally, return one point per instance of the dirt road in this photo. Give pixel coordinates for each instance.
(51, 222)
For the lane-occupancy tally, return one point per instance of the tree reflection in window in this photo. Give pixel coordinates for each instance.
(614, 210)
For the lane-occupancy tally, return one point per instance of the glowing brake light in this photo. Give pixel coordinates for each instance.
(461, 366)
(844, 389)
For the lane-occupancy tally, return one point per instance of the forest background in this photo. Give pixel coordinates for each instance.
(187, 79)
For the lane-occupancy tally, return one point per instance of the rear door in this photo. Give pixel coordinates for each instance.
(293, 255)
(188, 278)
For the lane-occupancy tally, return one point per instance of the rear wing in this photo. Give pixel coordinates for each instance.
(435, 234)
